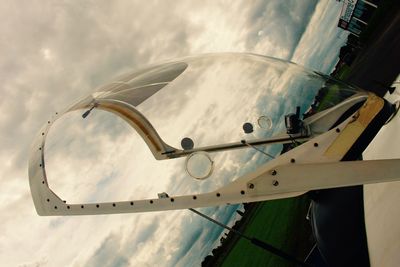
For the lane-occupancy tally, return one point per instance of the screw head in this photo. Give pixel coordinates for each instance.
(275, 183)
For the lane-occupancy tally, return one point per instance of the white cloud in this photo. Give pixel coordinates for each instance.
(319, 46)
(55, 52)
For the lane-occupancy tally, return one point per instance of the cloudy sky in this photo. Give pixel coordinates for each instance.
(54, 52)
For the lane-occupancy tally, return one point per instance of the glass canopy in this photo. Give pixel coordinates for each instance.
(209, 98)
(181, 107)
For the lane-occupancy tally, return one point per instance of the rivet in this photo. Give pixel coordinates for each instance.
(82, 206)
(113, 204)
(97, 205)
(292, 160)
(151, 201)
(250, 185)
(242, 192)
(68, 207)
(194, 197)
(42, 182)
(218, 194)
(315, 144)
(273, 172)
(337, 130)
(55, 207)
(172, 199)
(48, 200)
(275, 183)
(131, 203)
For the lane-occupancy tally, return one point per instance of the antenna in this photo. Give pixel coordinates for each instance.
(298, 112)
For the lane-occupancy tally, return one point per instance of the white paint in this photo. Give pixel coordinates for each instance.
(382, 212)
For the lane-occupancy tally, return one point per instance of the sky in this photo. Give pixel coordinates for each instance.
(52, 53)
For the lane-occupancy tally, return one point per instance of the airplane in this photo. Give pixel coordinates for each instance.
(321, 155)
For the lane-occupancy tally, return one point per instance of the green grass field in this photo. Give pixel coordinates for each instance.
(280, 223)
(343, 73)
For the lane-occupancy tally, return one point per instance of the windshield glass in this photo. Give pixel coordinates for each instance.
(203, 101)
(217, 94)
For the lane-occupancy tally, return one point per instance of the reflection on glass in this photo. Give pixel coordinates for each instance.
(209, 98)
(136, 87)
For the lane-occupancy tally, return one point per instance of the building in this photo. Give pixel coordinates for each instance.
(356, 14)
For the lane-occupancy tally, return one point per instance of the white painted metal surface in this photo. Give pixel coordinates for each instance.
(381, 201)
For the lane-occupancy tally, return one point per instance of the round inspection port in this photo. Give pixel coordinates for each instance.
(199, 165)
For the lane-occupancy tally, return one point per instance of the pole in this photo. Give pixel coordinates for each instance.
(255, 241)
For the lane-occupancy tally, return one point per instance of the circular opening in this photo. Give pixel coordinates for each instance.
(187, 143)
(248, 128)
(199, 165)
(264, 122)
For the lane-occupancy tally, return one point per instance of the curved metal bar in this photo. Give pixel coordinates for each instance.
(140, 123)
(48, 203)
(262, 184)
